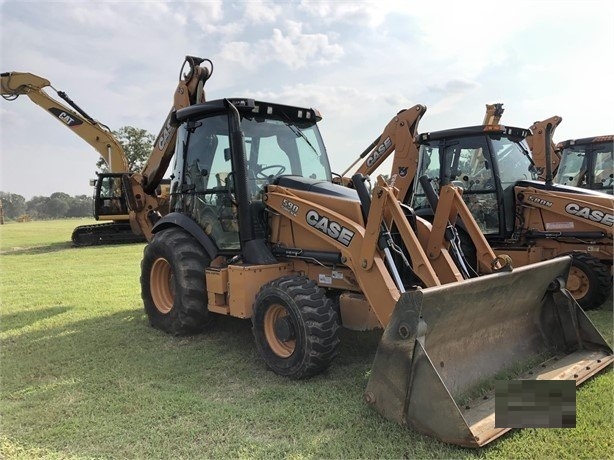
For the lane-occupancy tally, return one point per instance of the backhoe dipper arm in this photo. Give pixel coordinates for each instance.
(190, 91)
(99, 136)
(538, 141)
(397, 137)
(140, 188)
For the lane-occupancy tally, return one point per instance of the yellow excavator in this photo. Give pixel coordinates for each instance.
(109, 202)
(257, 230)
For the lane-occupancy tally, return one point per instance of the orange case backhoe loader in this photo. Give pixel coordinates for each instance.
(522, 216)
(528, 219)
(257, 230)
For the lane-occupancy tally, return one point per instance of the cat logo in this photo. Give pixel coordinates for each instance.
(65, 118)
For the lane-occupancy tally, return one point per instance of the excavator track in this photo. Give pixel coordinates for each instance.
(102, 234)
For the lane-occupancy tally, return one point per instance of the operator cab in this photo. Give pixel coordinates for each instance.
(486, 162)
(109, 197)
(587, 163)
(212, 175)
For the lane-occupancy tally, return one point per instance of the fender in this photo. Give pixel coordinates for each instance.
(176, 219)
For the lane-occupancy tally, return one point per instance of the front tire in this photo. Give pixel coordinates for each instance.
(173, 282)
(589, 280)
(295, 326)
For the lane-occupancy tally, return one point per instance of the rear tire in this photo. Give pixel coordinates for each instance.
(295, 326)
(589, 281)
(173, 282)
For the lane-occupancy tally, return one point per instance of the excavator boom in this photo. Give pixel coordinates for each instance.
(109, 202)
(15, 84)
(493, 114)
(190, 91)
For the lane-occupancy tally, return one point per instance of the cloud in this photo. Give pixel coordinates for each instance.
(288, 45)
(365, 13)
(452, 87)
(261, 12)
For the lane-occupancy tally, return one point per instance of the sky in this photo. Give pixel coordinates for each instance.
(357, 62)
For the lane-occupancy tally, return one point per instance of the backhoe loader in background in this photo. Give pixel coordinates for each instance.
(587, 163)
(258, 230)
(109, 202)
(522, 216)
(528, 219)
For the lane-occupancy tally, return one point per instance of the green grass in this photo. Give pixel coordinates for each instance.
(84, 376)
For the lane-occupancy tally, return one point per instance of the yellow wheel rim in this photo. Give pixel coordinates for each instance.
(578, 283)
(161, 285)
(281, 348)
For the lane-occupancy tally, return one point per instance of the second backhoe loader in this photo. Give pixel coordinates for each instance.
(257, 230)
(528, 219)
(522, 213)
(585, 163)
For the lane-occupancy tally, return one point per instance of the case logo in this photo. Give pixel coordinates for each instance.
(379, 151)
(594, 215)
(329, 227)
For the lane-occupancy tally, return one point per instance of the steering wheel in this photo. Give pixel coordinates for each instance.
(261, 175)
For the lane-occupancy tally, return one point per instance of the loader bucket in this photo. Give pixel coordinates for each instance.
(444, 348)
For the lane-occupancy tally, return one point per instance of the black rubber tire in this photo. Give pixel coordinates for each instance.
(597, 281)
(173, 285)
(304, 307)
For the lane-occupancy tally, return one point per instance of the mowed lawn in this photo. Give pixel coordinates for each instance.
(84, 376)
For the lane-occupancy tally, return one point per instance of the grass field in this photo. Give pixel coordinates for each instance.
(84, 376)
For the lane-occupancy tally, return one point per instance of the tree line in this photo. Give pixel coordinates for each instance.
(57, 206)
(137, 145)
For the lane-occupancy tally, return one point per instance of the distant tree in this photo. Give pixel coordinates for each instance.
(37, 207)
(57, 208)
(137, 144)
(80, 206)
(13, 205)
(60, 196)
